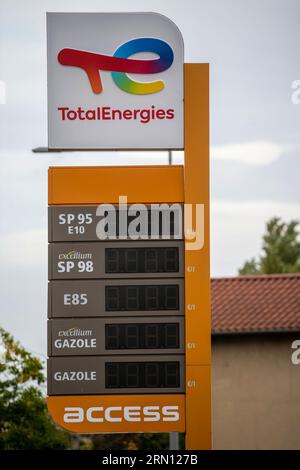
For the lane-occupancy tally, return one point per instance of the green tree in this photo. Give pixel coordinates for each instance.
(148, 441)
(280, 250)
(24, 419)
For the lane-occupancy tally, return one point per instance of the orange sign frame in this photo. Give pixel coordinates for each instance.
(157, 184)
(104, 184)
(197, 262)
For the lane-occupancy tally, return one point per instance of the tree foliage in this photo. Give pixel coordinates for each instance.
(24, 420)
(280, 250)
(142, 441)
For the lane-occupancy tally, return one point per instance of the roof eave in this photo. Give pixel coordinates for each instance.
(256, 332)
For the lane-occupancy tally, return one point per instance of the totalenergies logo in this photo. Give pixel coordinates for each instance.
(119, 65)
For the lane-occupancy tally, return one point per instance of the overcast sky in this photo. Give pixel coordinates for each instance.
(252, 46)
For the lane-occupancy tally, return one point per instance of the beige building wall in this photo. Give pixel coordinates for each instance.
(256, 392)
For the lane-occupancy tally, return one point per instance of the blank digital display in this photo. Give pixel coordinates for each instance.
(142, 375)
(141, 297)
(166, 226)
(142, 336)
(142, 260)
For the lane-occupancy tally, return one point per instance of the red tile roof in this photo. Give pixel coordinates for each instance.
(248, 304)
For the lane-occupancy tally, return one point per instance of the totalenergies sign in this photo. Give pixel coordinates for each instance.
(119, 63)
(115, 81)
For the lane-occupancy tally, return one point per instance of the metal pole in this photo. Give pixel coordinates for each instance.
(170, 156)
(174, 441)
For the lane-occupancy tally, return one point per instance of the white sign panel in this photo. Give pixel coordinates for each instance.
(115, 81)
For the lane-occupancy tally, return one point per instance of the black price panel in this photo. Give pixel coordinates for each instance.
(84, 375)
(116, 311)
(80, 223)
(142, 374)
(142, 297)
(107, 260)
(142, 260)
(142, 336)
(113, 336)
(115, 298)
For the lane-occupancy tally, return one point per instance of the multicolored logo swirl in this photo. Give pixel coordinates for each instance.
(120, 65)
